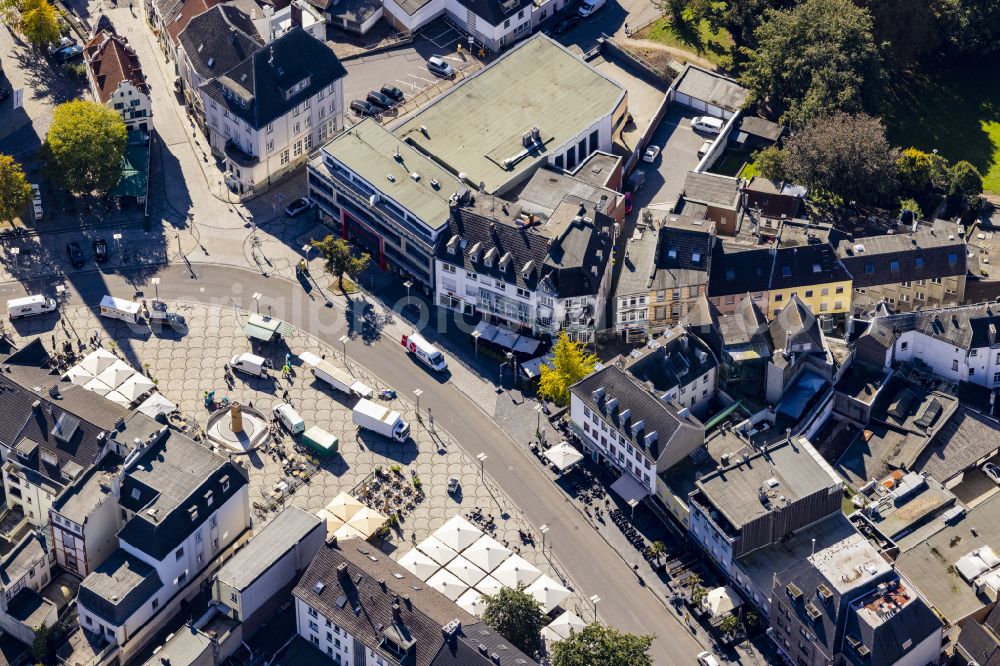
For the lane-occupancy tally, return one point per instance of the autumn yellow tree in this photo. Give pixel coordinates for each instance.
(15, 192)
(570, 363)
(39, 23)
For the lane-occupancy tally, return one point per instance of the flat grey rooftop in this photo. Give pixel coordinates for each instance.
(268, 546)
(710, 87)
(850, 563)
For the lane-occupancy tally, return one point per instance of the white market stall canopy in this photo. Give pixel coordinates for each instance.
(563, 626)
(548, 592)
(721, 600)
(458, 533)
(563, 456)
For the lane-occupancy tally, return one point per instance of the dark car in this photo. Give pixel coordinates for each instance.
(298, 207)
(363, 108)
(100, 250)
(75, 254)
(4, 92)
(68, 53)
(378, 99)
(566, 24)
(393, 93)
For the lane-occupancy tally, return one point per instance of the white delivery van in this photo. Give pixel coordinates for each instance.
(707, 124)
(289, 418)
(251, 364)
(588, 7)
(119, 308)
(425, 351)
(29, 306)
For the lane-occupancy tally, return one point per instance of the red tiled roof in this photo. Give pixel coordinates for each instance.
(190, 9)
(112, 61)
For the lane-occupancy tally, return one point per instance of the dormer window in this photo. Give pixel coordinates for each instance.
(453, 244)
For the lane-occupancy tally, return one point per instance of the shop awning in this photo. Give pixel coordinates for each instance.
(629, 488)
(265, 328)
(507, 339)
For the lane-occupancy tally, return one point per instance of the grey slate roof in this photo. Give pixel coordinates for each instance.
(712, 189)
(795, 324)
(710, 87)
(675, 361)
(982, 641)
(966, 326)
(268, 546)
(119, 587)
(748, 324)
(760, 127)
(263, 76)
(637, 265)
(223, 36)
(803, 265)
(174, 475)
(372, 583)
(18, 561)
(738, 269)
(680, 243)
(902, 257)
(966, 437)
(885, 638)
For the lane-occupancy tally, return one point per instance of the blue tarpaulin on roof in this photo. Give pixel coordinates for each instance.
(796, 398)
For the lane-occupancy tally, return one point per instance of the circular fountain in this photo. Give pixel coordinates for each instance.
(244, 430)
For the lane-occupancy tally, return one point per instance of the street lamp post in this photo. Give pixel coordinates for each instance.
(156, 286)
(343, 342)
(538, 420)
(418, 393)
(117, 238)
(595, 600)
(256, 297)
(544, 529)
(482, 457)
(475, 339)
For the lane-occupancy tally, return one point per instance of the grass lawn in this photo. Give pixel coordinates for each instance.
(955, 110)
(749, 170)
(697, 38)
(731, 163)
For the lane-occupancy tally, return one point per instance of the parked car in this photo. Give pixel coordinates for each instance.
(363, 108)
(566, 24)
(628, 203)
(452, 485)
(650, 154)
(705, 147)
(438, 66)
(992, 472)
(707, 124)
(707, 659)
(100, 250)
(60, 45)
(588, 7)
(75, 254)
(393, 93)
(298, 207)
(378, 99)
(68, 53)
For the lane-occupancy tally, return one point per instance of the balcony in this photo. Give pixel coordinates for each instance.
(237, 156)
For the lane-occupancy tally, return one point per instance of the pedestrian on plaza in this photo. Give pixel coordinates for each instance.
(626, 30)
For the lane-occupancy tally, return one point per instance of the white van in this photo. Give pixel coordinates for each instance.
(425, 351)
(251, 364)
(289, 418)
(707, 124)
(29, 306)
(588, 7)
(119, 308)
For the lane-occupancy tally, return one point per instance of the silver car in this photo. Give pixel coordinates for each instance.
(438, 66)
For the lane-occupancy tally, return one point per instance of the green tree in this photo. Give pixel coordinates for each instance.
(910, 205)
(966, 179)
(739, 17)
(597, 644)
(729, 624)
(657, 548)
(813, 60)
(909, 29)
(847, 155)
(15, 192)
(339, 258)
(771, 163)
(915, 167)
(85, 146)
(970, 27)
(39, 23)
(41, 645)
(518, 617)
(570, 363)
(750, 619)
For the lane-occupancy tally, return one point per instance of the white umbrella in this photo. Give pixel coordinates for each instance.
(78, 375)
(489, 586)
(447, 584)
(564, 625)
(98, 361)
(332, 522)
(473, 602)
(136, 386)
(563, 456)
(116, 373)
(466, 570)
(344, 506)
(115, 396)
(437, 551)
(155, 405)
(419, 564)
(97, 386)
(487, 553)
(458, 533)
(721, 600)
(516, 571)
(367, 521)
(349, 532)
(548, 592)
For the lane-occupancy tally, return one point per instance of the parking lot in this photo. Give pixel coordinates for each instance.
(679, 154)
(405, 68)
(976, 487)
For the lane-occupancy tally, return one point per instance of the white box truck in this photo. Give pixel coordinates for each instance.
(119, 308)
(30, 306)
(339, 379)
(382, 420)
(417, 345)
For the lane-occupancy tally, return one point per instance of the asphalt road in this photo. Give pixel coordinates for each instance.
(589, 561)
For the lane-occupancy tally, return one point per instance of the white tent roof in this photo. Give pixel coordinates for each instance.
(466, 570)
(489, 586)
(563, 456)
(115, 374)
(78, 375)
(418, 564)
(473, 602)
(343, 506)
(458, 533)
(548, 592)
(562, 626)
(98, 361)
(97, 386)
(136, 386)
(516, 571)
(155, 405)
(116, 397)
(346, 531)
(447, 584)
(437, 551)
(721, 600)
(487, 553)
